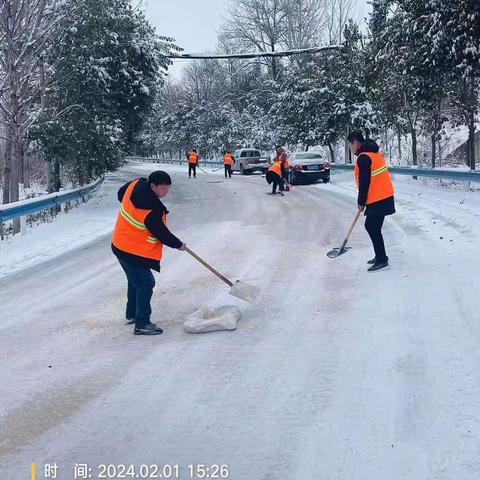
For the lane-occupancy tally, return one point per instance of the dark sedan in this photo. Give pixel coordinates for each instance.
(309, 167)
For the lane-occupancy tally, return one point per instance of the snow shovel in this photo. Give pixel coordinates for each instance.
(340, 251)
(241, 290)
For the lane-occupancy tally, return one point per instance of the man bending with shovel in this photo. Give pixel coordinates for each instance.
(375, 193)
(138, 239)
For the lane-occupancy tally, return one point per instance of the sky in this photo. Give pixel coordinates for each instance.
(194, 24)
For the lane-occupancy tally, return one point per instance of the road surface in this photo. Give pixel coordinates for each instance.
(333, 374)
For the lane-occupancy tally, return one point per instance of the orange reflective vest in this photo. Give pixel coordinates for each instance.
(228, 159)
(276, 168)
(286, 164)
(130, 234)
(381, 186)
(193, 158)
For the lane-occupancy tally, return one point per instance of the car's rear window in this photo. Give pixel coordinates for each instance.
(250, 153)
(309, 156)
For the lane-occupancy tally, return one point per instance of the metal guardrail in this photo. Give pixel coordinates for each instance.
(463, 176)
(33, 205)
(201, 163)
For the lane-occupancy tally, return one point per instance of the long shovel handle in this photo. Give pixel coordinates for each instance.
(350, 230)
(205, 264)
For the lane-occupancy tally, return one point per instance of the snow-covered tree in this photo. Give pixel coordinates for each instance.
(107, 74)
(26, 28)
(455, 33)
(257, 25)
(337, 14)
(305, 23)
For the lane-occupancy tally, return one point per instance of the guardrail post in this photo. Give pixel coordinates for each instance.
(2, 232)
(23, 226)
(466, 186)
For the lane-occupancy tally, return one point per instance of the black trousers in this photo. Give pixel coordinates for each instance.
(228, 170)
(192, 168)
(373, 225)
(277, 182)
(139, 293)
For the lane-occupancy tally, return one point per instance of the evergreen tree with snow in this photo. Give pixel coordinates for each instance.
(108, 72)
(455, 33)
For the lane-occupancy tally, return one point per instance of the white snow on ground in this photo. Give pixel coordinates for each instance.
(333, 374)
(34, 191)
(428, 200)
(65, 233)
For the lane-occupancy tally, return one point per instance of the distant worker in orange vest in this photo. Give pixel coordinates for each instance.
(228, 161)
(138, 239)
(275, 176)
(375, 193)
(282, 157)
(192, 163)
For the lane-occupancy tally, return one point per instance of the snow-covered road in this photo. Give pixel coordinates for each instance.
(335, 374)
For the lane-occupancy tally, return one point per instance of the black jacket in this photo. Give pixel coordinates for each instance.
(143, 197)
(382, 207)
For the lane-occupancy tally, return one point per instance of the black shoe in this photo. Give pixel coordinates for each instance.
(148, 329)
(378, 266)
(373, 261)
(130, 321)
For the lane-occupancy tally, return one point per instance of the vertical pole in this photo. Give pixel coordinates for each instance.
(348, 157)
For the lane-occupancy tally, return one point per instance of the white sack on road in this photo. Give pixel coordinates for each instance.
(212, 319)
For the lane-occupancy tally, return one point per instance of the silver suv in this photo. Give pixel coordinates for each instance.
(249, 160)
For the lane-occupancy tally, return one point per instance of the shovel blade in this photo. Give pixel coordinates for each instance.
(336, 252)
(244, 291)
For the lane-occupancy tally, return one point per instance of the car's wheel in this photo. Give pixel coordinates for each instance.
(242, 170)
(326, 180)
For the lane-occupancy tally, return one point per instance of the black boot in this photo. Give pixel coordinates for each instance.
(373, 261)
(378, 266)
(148, 329)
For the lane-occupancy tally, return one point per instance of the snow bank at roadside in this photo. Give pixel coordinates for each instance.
(66, 232)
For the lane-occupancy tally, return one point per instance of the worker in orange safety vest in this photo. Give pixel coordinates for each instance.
(192, 158)
(375, 193)
(138, 238)
(228, 161)
(275, 176)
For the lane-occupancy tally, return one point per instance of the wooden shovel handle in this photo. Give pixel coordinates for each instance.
(353, 225)
(350, 230)
(205, 264)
